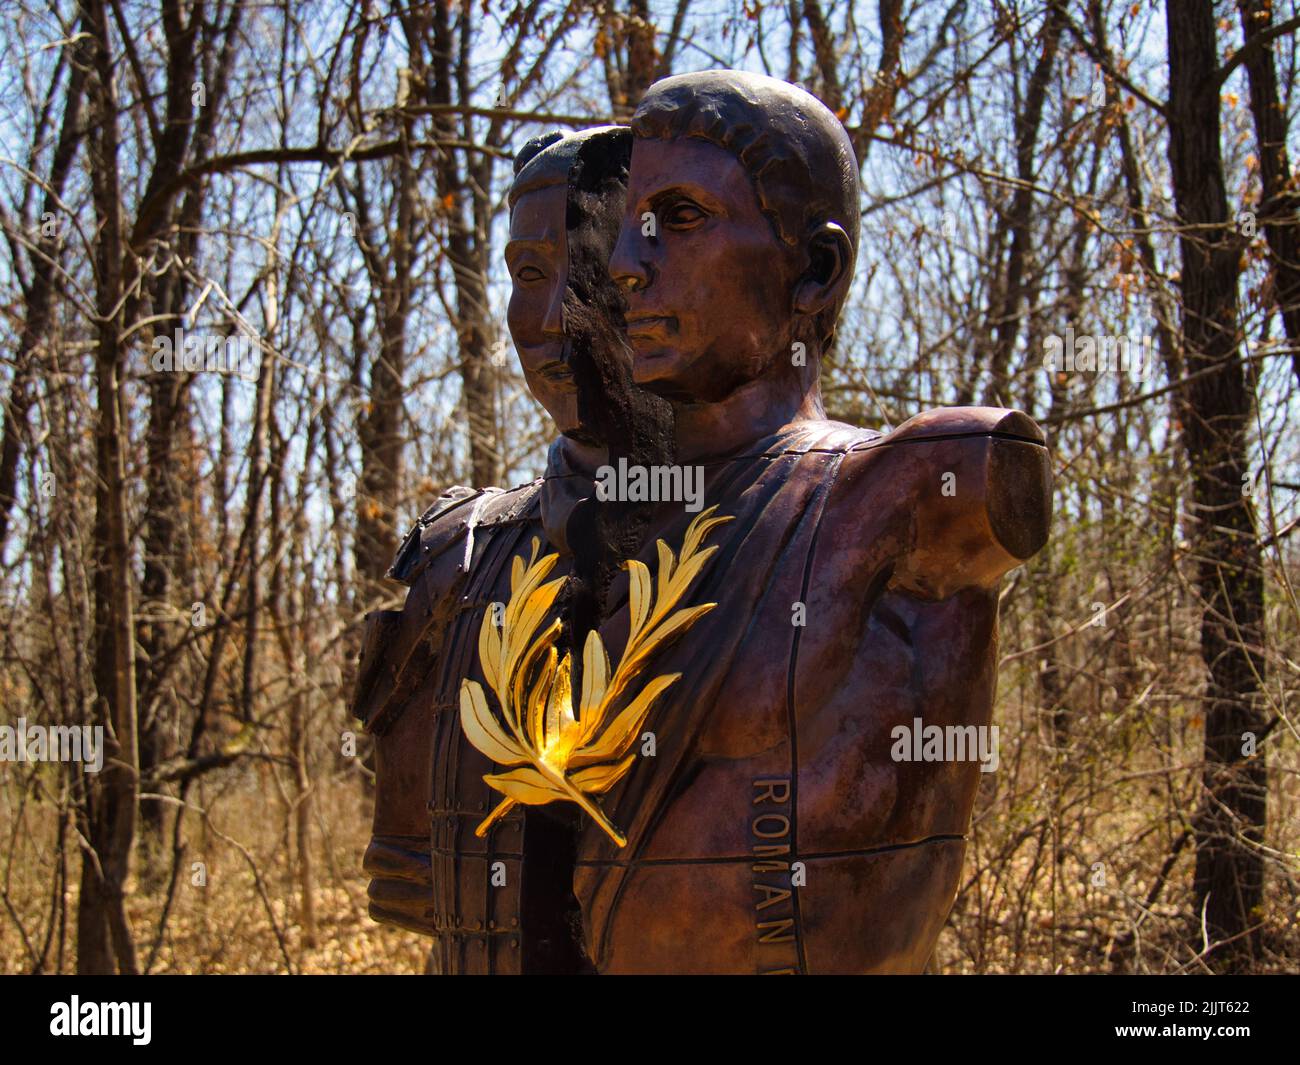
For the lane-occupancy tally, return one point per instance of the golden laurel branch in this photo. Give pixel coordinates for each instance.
(563, 758)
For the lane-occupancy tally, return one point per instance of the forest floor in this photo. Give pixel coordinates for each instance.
(236, 906)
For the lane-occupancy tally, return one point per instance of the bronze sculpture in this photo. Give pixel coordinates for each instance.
(775, 747)
(770, 824)
(429, 872)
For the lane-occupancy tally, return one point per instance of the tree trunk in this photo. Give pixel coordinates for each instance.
(1281, 201)
(1229, 872)
(104, 935)
(38, 296)
(1005, 321)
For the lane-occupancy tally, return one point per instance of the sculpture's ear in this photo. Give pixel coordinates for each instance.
(830, 269)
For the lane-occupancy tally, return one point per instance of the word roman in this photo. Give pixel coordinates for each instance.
(102, 1018)
(57, 743)
(190, 353)
(777, 948)
(950, 743)
(652, 484)
(1085, 353)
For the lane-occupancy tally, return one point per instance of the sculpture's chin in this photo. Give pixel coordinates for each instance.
(563, 409)
(582, 434)
(661, 373)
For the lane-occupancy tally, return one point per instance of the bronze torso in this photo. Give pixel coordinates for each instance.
(775, 746)
(766, 821)
(488, 908)
(429, 872)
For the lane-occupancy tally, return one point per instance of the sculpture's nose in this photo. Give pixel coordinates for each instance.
(553, 321)
(628, 265)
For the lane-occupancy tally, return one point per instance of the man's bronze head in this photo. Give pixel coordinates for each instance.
(564, 313)
(740, 234)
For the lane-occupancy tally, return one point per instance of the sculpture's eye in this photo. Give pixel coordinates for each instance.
(528, 274)
(683, 214)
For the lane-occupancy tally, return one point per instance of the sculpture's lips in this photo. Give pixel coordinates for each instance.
(650, 325)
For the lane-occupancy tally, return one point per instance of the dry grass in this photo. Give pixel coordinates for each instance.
(224, 926)
(1031, 897)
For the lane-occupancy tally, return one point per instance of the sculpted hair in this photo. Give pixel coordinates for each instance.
(542, 162)
(796, 152)
(589, 160)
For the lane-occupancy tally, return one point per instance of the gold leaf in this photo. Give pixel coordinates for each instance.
(559, 716)
(598, 779)
(595, 676)
(530, 657)
(526, 785)
(666, 562)
(489, 650)
(623, 730)
(564, 759)
(699, 529)
(638, 597)
(517, 571)
(537, 697)
(481, 728)
(678, 623)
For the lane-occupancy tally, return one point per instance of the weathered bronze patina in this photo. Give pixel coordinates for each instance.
(773, 821)
(429, 871)
(856, 590)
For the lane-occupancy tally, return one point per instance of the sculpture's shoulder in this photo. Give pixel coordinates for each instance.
(451, 520)
(432, 562)
(435, 531)
(952, 422)
(995, 440)
(822, 436)
(965, 493)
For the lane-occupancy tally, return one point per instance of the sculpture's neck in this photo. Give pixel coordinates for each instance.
(756, 410)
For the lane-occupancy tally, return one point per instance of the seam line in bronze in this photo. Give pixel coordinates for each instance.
(880, 441)
(994, 435)
(792, 725)
(735, 859)
(487, 856)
